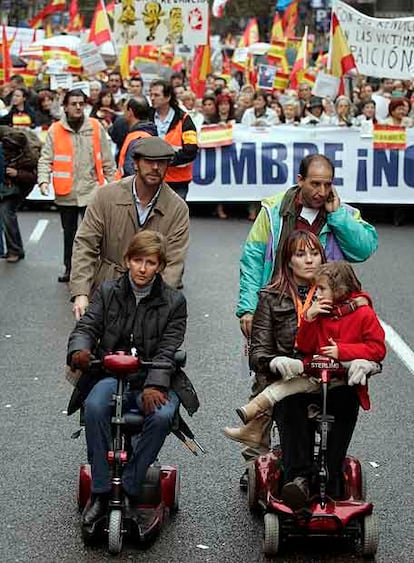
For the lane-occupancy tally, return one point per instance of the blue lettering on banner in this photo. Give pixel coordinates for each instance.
(274, 155)
(387, 165)
(409, 166)
(209, 167)
(300, 150)
(231, 161)
(330, 151)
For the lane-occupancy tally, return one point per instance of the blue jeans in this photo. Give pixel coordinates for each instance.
(8, 214)
(157, 425)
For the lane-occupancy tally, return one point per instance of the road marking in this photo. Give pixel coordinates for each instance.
(399, 346)
(39, 230)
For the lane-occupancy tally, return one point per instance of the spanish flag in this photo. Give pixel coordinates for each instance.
(342, 60)
(250, 34)
(75, 19)
(52, 8)
(290, 19)
(201, 66)
(220, 135)
(100, 31)
(389, 137)
(301, 62)
(276, 33)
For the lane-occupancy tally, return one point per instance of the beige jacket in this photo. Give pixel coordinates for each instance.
(108, 226)
(85, 181)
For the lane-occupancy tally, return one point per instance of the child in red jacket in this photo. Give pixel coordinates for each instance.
(332, 326)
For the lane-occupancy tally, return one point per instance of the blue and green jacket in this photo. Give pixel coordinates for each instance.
(345, 235)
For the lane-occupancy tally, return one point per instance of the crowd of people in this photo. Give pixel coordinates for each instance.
(129, 110)
(134, 149)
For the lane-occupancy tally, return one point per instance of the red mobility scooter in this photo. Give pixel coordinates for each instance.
(350, 516)
(160, 490)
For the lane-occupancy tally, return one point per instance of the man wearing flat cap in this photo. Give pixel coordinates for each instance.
(121, 209)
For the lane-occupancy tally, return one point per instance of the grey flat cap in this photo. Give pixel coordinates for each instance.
(153, 148)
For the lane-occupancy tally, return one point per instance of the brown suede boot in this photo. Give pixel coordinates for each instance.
(254, 434)
(258, 405)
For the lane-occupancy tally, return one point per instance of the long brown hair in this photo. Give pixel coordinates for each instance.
(341, 279)
(297, 240)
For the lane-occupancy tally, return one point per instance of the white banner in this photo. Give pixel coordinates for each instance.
(22, 37)
(382, 47)
(91, 58)
(263, 162)
(162, 23)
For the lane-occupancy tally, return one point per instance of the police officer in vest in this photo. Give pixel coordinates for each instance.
(176, 128)
(140, 126)
(77, 159)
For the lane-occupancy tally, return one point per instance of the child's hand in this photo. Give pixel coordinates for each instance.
(319, 306)
(331, 351)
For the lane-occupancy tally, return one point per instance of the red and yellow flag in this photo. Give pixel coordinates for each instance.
(290, 19)
(389, 137)
(100, 31)
(200, 68)
(52, 8)
(75, 19)
(342, 60)
(281, 80)
(250, 34)
(6, 63)
(276, 33)
(220, 135)
(300, 63)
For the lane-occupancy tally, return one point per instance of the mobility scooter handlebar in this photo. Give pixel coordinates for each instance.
(324, 368)
(121, 363)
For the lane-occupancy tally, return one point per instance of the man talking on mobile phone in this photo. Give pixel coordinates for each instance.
(313, 204)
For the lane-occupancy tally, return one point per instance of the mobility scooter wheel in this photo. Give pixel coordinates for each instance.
(271, 542)
(115, 532)
(252, 488)
(370, 536)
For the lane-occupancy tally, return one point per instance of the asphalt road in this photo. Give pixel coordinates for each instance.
(39, 461)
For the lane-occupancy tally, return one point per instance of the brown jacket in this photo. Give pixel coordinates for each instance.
(85, 181)
(109, 224)
(273, 334)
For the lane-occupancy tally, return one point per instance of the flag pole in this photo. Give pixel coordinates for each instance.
(305, 54)
(329, 60)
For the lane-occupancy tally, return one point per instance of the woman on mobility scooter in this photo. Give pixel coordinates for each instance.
(331, 326)
(138, 313)
(274, 334)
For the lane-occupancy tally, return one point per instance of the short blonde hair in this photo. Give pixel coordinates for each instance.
(146, 243)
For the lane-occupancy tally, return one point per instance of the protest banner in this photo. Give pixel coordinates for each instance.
(63, 81)
(382, 47)
(266, 77)
(257, 165)
(91, 59)
(161, 23)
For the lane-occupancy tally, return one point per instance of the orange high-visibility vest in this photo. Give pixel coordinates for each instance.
(62, 165)
(128, 139)
(182, 172)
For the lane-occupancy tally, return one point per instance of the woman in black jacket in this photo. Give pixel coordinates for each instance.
(136, 313)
